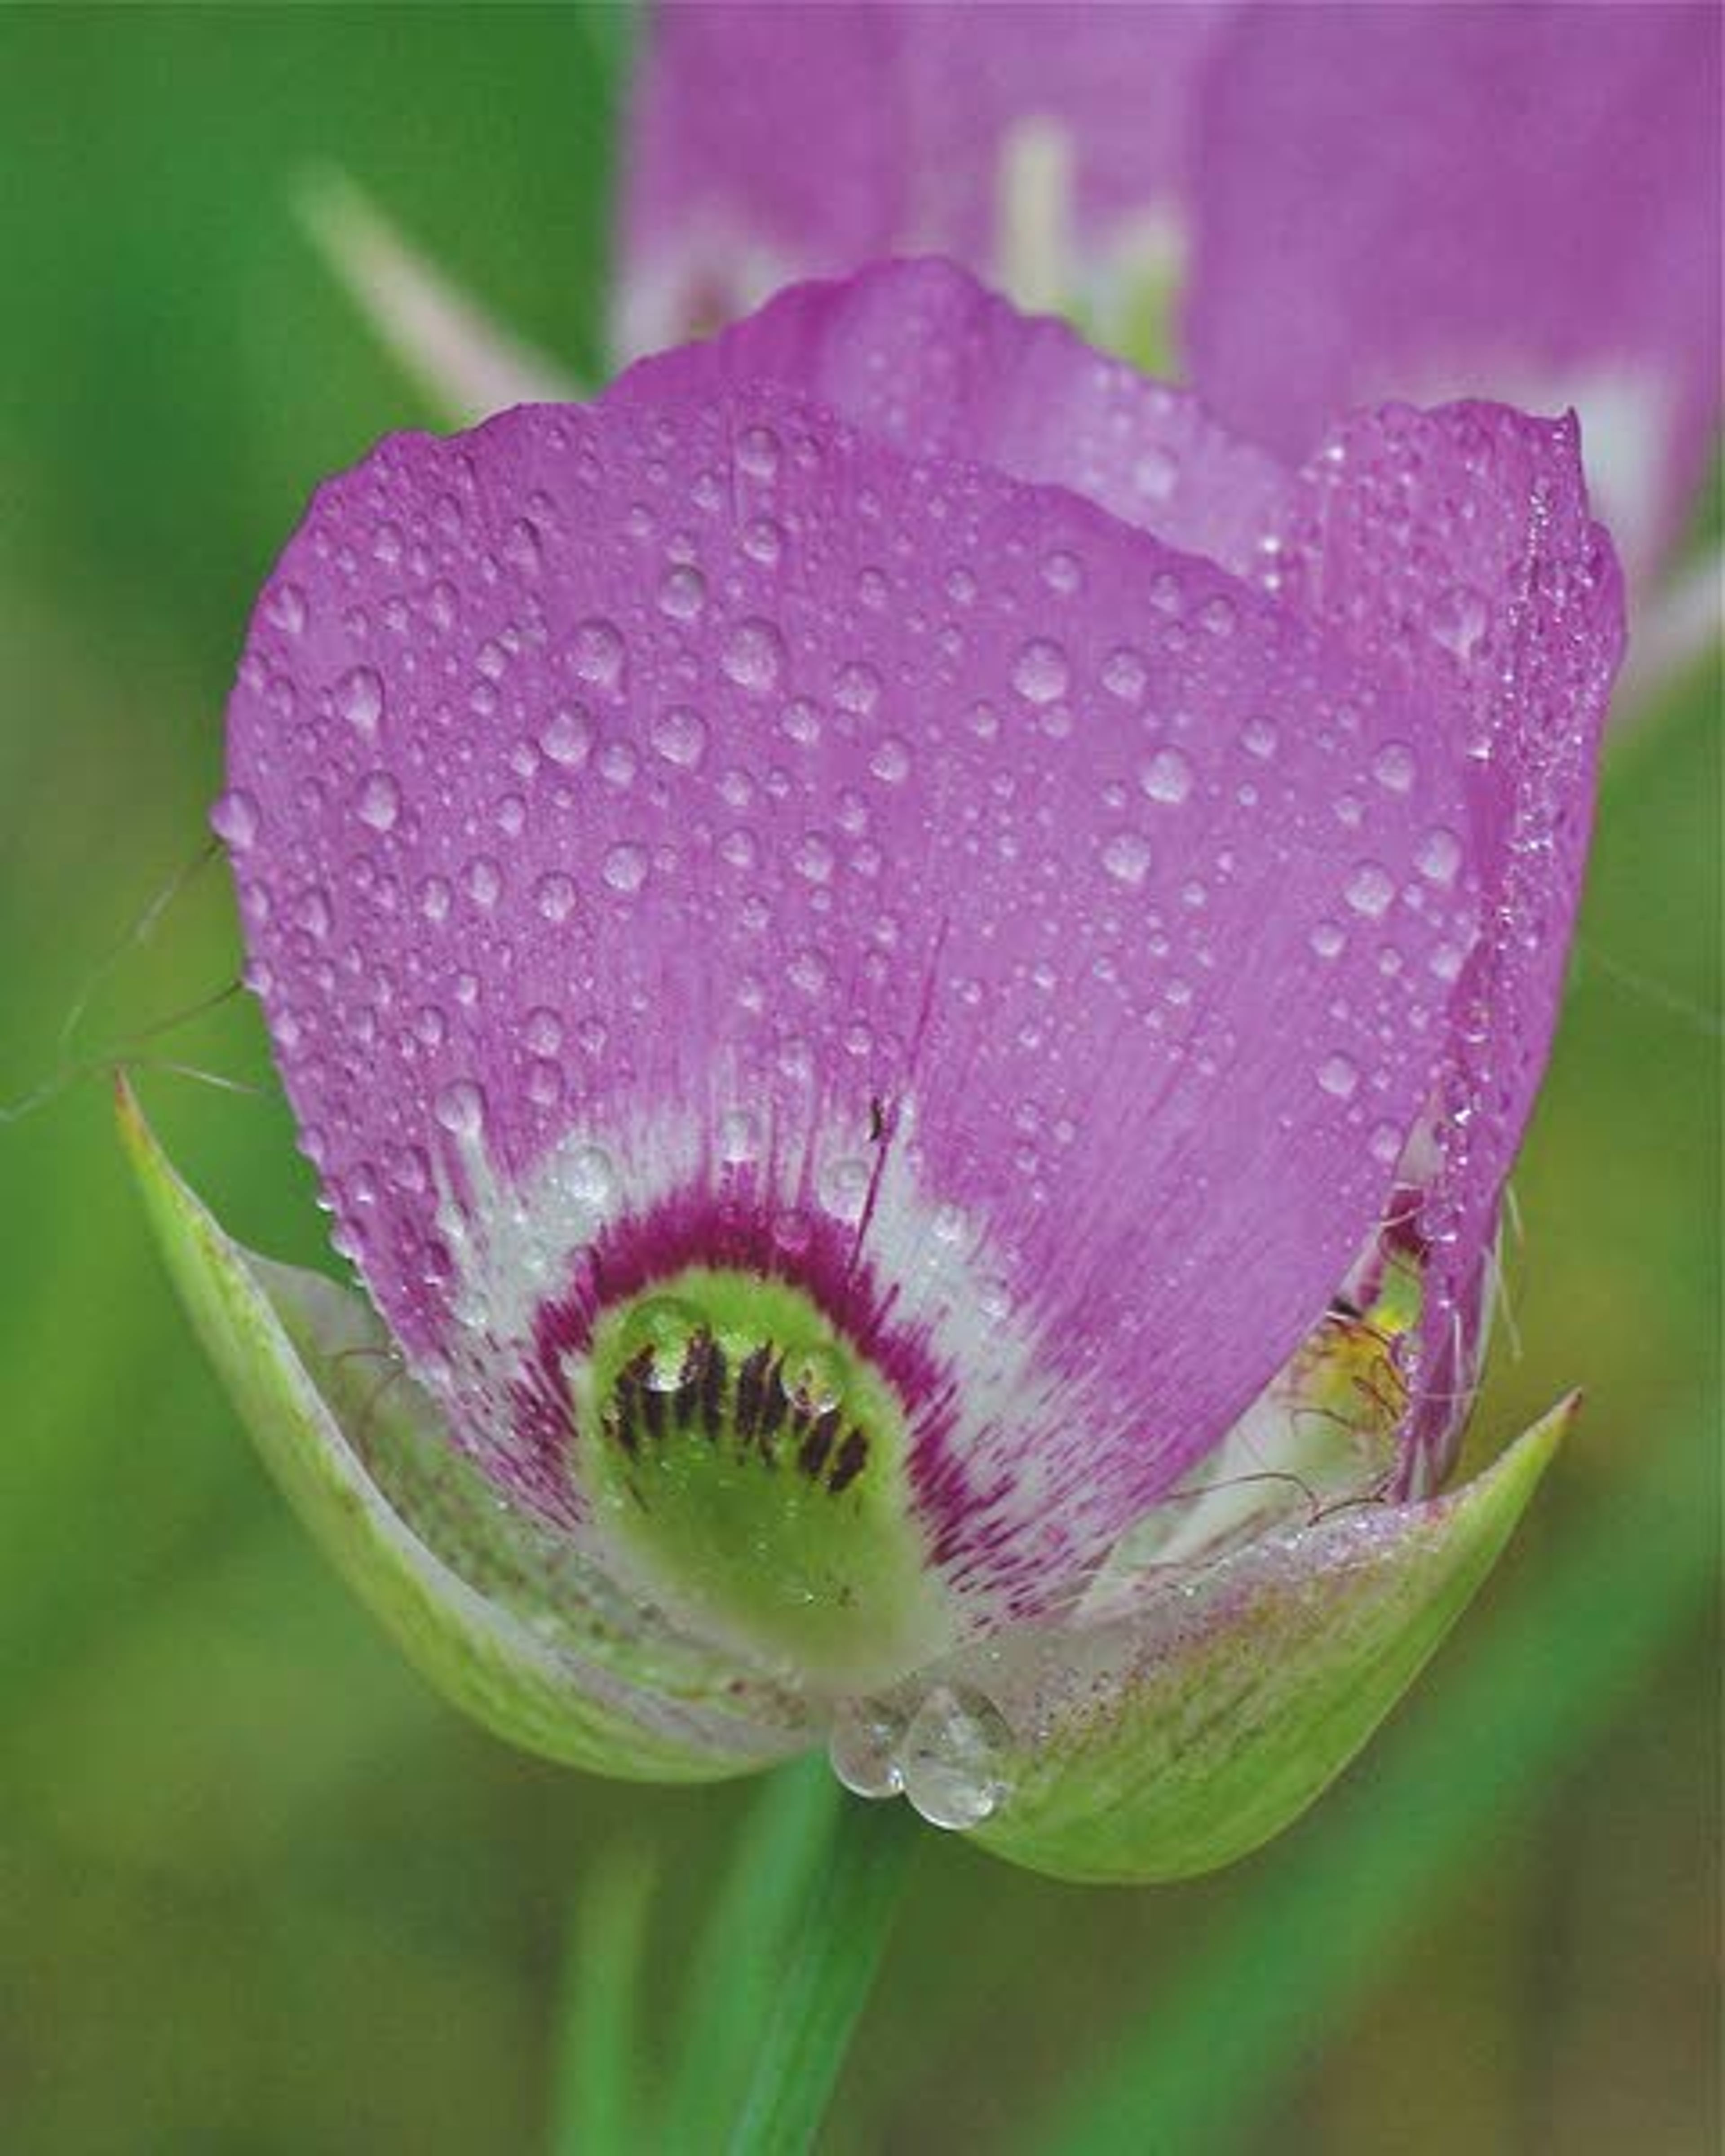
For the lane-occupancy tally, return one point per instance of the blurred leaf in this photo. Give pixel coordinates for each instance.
(1545, 1682)
(598, 2101)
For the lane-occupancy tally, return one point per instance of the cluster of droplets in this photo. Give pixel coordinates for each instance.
(949, 1752)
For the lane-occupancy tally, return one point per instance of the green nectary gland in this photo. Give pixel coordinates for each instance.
(776, 1405)
(751, 1463)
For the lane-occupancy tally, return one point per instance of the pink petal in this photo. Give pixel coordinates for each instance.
(860, 864)
(1453, 551)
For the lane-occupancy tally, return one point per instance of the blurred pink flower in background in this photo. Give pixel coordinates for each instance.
(1423, 202)
(1301, 209)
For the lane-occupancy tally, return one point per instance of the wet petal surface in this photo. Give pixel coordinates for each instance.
(690, 827)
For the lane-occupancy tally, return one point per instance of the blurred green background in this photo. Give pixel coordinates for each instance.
(259, 1890)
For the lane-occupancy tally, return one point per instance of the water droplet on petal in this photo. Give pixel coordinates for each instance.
(598, 653)
(543, 1032)
(460, 1108)
(1394, 767)
(235, 817)
(1167, 777)
(1040, 672)
(1329, 939)
(379, 801)
(625, 867)
(1439, 859)
(739, 1137)
(890, 762)
(1370, 889)
(567, 738)
(863, 1744)
(285, 606)
(753, 656)
(679, 736)
(953, 1758)
(554, 895)
(1125, 675)
(1338, 1075)
(1127, 858)
(359, 699)
(682, 593)
(758, 452)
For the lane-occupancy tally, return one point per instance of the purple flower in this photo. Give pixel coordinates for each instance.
(1424, 202)
(912, 976)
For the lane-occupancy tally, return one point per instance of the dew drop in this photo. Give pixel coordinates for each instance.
(863, 1747)
(359, 699)
(758, 452)
(460, 1108)
(1370, 889)
(1338, 1075)
(522, 548)
(235, 817)
(1126, 675)
(1439, 859)
(890, 762)
(598, 653)
(1459, 620)
(679, 735)
(753, 656)
(1127, 858)
(814, 857)
(379, 801)
(286, 607)
(953, 1759)
(856, 687)
(1167, 777)
(1394, 767)
(845, 1187)
(543, 1031)
(625, 868)
(1328, 939)
(566, 740)
(762, 541)
(682, 593)
(554, 895)
(739, 1137)
(1156, 473)
(1040, 672)
(660, 1330)
(592, 1175)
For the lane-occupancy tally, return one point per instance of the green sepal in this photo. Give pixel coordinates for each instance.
(519, 1636)
(1184, 1731)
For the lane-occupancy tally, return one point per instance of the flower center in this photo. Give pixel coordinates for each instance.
(750, 1466)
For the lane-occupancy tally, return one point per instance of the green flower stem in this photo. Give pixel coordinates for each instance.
(835, 1950)
(738, 1964)
(777, 1982)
